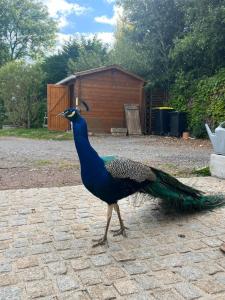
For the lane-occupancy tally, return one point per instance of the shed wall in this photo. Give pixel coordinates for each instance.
(106, 93)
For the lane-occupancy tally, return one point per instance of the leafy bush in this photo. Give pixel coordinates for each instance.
(204, 100)
(20, 85)
(2, 113)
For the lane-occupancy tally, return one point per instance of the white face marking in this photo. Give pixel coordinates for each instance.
(72, 114)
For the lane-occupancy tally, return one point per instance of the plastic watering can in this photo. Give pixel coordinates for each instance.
(218, 138)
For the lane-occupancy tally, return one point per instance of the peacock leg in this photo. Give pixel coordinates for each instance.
(122, 229)
(103, 240)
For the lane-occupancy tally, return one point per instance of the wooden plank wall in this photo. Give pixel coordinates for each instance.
(58, 101)
(106, 93)
(155, 98)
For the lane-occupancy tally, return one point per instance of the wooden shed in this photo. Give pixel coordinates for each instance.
(105, 89)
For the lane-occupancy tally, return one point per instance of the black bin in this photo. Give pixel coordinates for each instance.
(178, 123)
(161, 120)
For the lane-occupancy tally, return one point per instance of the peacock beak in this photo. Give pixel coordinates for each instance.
(61, 114)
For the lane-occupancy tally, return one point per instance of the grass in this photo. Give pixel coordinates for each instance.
(202, 172)
(39, 133)
(43, 162)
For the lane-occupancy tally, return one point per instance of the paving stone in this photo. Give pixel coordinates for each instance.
(79, 295)
(190, 272)
(70, 254)
(90, 277)
(101, 260)
(32, 274)
(112, 273)
(41, 239)
(123, 256)
(211, 286)
(220, 277)
(210, 267)
(167, 295)
(10, 293)
(148, 282)
(15, 252)
(139, 296)
(50, 257)
(5, 267)
(57, 268)
(20, 243)
(188, 291)
(18, 221)
(133, 267)
(62, 236)
(26, 211)
(6, 279)
(40, 249)
(37, 289)
(67, 283)
(158, 264)
(4, 245)
(26, 262)
(62, 245)
(126, 286)
(102, 292)
(167, 277)
(212, 242)
(196, 245)
(173, 261)
(80, 264)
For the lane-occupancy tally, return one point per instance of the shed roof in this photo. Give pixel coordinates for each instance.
(96, 70)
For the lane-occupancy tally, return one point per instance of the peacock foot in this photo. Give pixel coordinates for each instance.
(100, 242)
(121, 231)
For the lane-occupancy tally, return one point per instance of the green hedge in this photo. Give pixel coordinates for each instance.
(203, 100)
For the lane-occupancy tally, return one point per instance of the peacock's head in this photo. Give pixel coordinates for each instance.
(72, 113)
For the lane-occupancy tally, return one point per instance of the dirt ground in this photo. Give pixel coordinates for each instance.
(26, 163)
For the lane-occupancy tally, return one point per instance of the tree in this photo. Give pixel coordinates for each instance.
(26, 30)
(20, 91)
(91, 54)
(200, 50)
(56, 66)
(150, 27)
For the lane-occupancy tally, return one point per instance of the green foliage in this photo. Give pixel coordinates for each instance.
(202, 172)
(200, 49)
(91, 54)
(78, 54)
(20, 91)
(203, 99)
(56, 66)
(150, 26)
(2, 113)
(26, 30)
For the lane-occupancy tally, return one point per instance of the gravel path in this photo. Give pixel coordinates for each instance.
(33, 163)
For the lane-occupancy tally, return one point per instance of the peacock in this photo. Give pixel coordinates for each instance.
(113, 178)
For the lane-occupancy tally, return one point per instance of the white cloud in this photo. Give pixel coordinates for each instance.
(61, 9)
(106, 38)
(117, 13)
(110, 1)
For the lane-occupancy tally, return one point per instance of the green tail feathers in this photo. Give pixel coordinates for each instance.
(181, 196)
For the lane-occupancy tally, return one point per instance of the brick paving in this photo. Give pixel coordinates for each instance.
(46, 253)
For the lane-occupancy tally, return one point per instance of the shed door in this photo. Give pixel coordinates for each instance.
(58, 101)
(132, 113)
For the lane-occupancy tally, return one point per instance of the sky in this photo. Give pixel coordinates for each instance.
(88, 17)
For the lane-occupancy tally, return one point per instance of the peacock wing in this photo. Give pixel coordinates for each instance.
(127, 168)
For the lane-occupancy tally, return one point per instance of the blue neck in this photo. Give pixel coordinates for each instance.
(89, 159)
